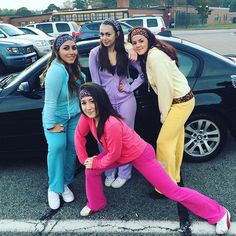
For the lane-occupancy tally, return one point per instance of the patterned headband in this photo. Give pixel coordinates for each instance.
(139, 31)
(62, 39)
(114, 23)
(84, 93)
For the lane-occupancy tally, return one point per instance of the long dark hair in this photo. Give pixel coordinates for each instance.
(154, 42)
(121, 56)
(72, 69)
(102, 103)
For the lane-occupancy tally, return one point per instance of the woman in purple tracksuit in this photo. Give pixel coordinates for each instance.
(108, 65)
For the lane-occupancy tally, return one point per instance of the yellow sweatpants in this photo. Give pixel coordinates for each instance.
(170, 141)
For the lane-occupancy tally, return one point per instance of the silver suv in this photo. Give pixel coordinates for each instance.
(155, 23)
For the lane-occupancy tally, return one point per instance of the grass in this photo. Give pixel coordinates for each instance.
(217, 26)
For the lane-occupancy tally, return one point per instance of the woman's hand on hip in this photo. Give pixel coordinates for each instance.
(58, 128)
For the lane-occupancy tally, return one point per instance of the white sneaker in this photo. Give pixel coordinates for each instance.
(67, 195)
(53, 200)
(223, 225)
(118, 183)
(109, 180)
(86, 211)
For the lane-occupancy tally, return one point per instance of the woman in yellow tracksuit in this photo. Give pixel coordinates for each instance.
(175, 99)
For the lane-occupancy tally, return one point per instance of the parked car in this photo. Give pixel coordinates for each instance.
(90, 30)
(41, 45)
(55, 28)
(35, 31)
(15, 55)
(155, 23)
(210, 76)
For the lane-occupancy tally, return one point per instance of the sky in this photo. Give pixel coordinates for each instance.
(30, 4)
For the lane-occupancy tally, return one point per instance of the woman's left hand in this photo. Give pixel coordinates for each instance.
(88, 162)
(132, 55)
(121, 87)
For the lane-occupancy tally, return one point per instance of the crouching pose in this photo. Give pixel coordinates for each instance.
(123, 145)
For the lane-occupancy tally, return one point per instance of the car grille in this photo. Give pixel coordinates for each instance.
(27, 50)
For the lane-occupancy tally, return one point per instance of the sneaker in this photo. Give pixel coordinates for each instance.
(118, 183)
(67, 195)
(86, 211)
(53, 200)
(109, 180)
(223, 225)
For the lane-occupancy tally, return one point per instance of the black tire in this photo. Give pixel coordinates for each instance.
(205, 137)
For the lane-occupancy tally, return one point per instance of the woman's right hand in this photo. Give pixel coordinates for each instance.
(58, 128)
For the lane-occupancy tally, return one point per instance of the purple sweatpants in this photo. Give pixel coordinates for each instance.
(151, 169)
(127, 110)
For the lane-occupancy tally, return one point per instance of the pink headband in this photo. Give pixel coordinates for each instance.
(84, 93)
(139, 31)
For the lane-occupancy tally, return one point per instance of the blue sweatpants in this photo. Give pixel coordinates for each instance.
(61, 158)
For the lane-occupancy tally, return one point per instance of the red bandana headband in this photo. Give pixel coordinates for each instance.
(139, 31)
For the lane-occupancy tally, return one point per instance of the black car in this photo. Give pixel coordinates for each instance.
(90, 30)
(210, 76)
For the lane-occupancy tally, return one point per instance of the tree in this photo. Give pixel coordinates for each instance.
(81, 4)
(23, 11)
(204, 11)
(51, 8)
(232, 6)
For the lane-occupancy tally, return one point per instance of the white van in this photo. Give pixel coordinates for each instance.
(154, 23)
(56, 28)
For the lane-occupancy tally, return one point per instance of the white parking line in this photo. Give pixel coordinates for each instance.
(102, 226)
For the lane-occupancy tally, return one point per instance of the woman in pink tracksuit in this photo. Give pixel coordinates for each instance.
(123, 145)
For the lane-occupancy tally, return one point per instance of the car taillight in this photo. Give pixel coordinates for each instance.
(74, 34)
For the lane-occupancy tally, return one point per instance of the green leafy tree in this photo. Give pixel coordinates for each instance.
(7, 12)
(81, 4)
(108, 4)
(204, 11)
(232, 7)
(23, 11)
(51, 8)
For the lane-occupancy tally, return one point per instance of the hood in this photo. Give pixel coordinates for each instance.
(14, 42)
(32, 37)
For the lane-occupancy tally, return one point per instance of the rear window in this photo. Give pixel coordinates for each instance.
(93, 26)
(152, 23)
(62, 27)
(47, 28)
(135, 22)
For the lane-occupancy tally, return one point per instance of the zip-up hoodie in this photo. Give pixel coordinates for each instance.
(58, 100)
(111, 82)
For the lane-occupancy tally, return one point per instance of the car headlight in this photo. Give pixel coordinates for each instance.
(41, 43)
(14, 50)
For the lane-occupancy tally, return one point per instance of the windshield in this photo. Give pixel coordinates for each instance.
(40, 64)
(11, 30)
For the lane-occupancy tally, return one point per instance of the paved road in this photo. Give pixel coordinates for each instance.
(221, 41)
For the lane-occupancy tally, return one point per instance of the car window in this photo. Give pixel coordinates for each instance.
(152, 23)
(62, 27)
(93, 26)
(47, 28)
(28, 31)
(187, 64)
(135, 22)
(125, 28)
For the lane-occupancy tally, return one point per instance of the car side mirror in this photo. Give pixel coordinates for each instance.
(24, 87)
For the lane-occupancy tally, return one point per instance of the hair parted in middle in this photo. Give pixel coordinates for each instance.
(102, 102)
(73, 70)
(121, 56)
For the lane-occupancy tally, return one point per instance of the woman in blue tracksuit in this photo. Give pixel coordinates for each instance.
(60, 116)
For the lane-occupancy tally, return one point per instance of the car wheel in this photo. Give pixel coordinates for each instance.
(205, 137)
